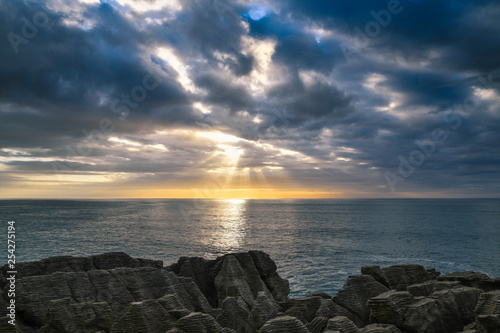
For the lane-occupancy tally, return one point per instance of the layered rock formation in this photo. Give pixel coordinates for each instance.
(240, 293)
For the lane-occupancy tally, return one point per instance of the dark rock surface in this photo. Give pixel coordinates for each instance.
(473, 279)
(240, 293)
(356, 292)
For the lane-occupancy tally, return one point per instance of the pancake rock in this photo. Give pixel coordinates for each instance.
(240, 293)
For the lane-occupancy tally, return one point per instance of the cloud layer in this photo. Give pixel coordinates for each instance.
(255, 99)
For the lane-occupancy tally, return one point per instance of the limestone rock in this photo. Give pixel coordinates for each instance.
(380, 328)
(342, 325)
(356, 292)
(320, 294)
(303, 308)
(279, 287)
(241, 293)
(198, 323)
(432, 274)
(202, 272)
(196, 297)
(234, 314)
(173, 306)
(64, 316)
(117, 287)
(317, 325)
(8, 328)
(331, 309)
(256, 267)
(284, 324)
(105, 261)
(143, 317)
(422, 289)
(399, 277)
(390, 307)
(441, 312)
(239, 277)
(445, 285)
(473, 279)
(488, 312)
(377, 273)
(263, 310)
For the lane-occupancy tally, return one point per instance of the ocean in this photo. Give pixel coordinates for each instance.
(316, 244)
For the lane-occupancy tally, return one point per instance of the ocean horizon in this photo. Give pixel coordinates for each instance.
(316, 243)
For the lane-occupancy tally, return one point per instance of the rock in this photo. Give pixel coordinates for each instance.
(356, 292)
(256, 266)
(327, 308)
(342, 325)
(422, 289)
(377, 273)
(399, 277)
(142, 317)
(113, 260)
(284, 324)
(303, 308)
(104, 261)
(460, 302)
(198, 323)
(279, 287)
(196, 297)
(117, 287)
(473, 279)
(239, 277)
(33, 296)
(8, 328)
(202, 272)
(263, 310)
(114, 292)
(488, 312)
(471, 328)
(390, 307)
(441, 312)
(320, 294)
(64, 316)
(173, 306)
(445, 285)
(432, 274)
(331, 309)
(317, 325)
(424, 315)
(234, 314)
(380, 328)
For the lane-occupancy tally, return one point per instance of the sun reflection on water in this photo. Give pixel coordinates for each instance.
(227, 225)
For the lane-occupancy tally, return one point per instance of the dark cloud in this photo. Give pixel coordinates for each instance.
(300, 104)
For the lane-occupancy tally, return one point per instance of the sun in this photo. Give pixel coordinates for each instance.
(232, 154)
(235, 201)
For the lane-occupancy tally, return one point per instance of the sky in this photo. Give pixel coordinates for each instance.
(249, 99)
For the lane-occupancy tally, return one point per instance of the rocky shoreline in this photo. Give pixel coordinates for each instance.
(240, 292)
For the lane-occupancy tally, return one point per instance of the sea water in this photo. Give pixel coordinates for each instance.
(316, 244)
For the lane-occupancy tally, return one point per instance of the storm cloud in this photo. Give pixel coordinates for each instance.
(384, 98)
